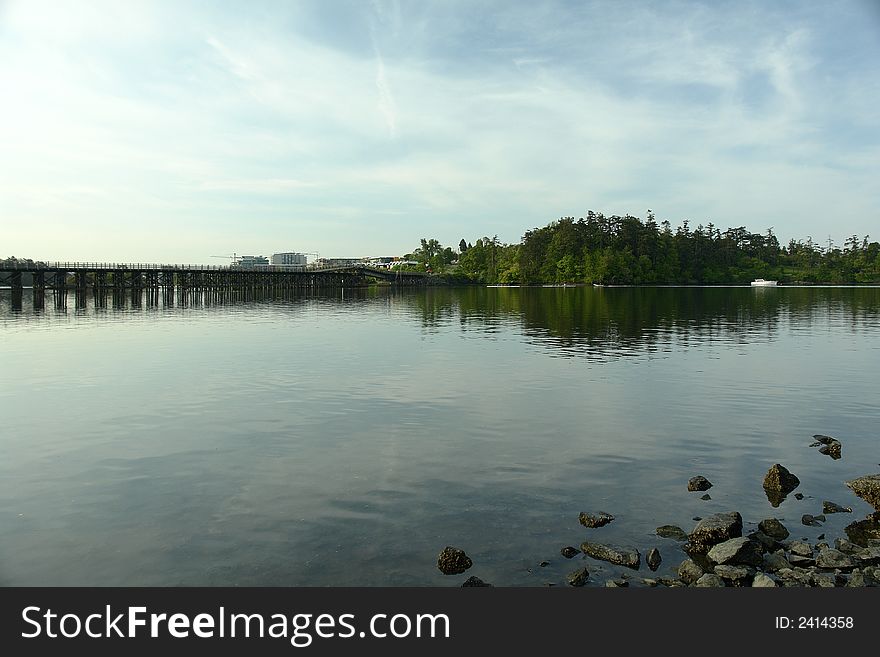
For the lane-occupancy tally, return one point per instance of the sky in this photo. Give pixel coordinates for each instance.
(183, 131)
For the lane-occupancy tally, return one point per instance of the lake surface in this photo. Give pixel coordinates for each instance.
(346, 439)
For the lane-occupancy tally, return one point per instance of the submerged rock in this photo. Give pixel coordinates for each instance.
(595, 519)
(868, 488)
(653, 558)
(578, 578)
(621, 556)
(774, 529)
(822, 439)
(706, 497)
(778, 483)
(715, 529)
(831, 507)
(672, 531)
(699, 483)
(453, 561)
(569, 552)
(810, 521)
(474, 581)
(832, 449)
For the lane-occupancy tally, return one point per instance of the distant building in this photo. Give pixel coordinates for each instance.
(249, 262)
(289, 258)
(337, 262)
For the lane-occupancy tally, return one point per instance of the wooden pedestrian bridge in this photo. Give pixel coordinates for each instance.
(149, 278)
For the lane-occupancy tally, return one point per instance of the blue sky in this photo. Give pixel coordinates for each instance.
(174, 131)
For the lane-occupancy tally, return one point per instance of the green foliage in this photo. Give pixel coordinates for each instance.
(627, 250)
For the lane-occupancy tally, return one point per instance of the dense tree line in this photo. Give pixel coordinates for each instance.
(628, 250)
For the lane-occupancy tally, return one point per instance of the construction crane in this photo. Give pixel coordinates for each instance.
(231, 257)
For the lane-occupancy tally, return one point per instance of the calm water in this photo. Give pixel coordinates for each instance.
(345, 440)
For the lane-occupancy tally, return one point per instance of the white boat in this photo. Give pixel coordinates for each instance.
(760, 282)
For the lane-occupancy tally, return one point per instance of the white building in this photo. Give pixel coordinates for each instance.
(289, 258)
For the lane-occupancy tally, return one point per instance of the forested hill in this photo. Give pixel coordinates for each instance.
(628, 250)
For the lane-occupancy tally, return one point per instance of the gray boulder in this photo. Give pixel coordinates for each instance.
(775, 562)
(764, 542)
(779, 482)
(621, 556)
(736, 551)
(774, 529)
(868, 488)
(595, 519)
(709, 580)
(735, 574)
(453, 561)
(831, 558)
(763, 581)
(689, 572)
(800, 548)
(699, 483)
(715, 529)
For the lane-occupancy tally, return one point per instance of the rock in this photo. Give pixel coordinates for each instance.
(811, 521)
(706, 497)
(736, 551)
(856, 579)
(709, 580)
(779, 482)
(697, 518)
(616, 583)
(715, 529)
(647, 581)
(569, 552)
(597, 519)
(868, 488)
(800, 548)
(831, 507)
(774, 529)
(672, 531)
(544, 564)
(735, 574)
(621, 556)
(846, 546)
(578, 578)
(653, 559)
(699, 483)
(775, 562)
(672, 583)
(801, 562)
(831, 558)
(474, 581)
(823, 580)
(453, 561)
(862, 532)
(764, 542)
(798, 496)
(795, 577)
(689, 572)
(822, 439)
(832, 449)
(763, 581)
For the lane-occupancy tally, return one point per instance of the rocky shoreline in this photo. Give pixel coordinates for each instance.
(717, 554)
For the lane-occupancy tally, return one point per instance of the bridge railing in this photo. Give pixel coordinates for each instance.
(150, 266)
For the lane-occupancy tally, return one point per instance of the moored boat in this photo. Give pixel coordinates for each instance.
(760, 282)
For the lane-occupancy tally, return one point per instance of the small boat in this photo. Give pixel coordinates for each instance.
(760, 282)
